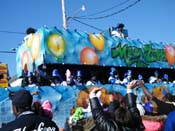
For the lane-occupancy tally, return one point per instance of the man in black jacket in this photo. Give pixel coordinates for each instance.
(164, 105)
(125, 119)
(26, 120)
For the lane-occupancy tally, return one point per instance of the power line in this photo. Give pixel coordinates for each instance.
(103, 11)
(11, 32)
(101, 17)
(87, 24)
(11, 52)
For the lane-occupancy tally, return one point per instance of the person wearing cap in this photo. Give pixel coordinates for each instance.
(79, 78)
(155, 78)
(114, 76)
(119, 31)
(165, 79)
(56, 78)
(26, 120)
(93, 79)
(31, 80)
(127, 78)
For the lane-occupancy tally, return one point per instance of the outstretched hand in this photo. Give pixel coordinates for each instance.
(95, 89)
(94, 92)
(135, 83)
(132, 84)
(140, 82)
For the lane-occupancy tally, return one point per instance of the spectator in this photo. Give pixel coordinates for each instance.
(119, 31)
(43, 109)
(25, 118)
(37, 108)
(169, 98)
(47, 107)
(170, 122)
(124, 118)
(163, 105)
(149, 106)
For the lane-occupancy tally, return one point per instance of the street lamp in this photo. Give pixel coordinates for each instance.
(66, 19)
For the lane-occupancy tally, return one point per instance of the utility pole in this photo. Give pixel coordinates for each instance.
(64, 15)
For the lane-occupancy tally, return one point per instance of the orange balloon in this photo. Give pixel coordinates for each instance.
(88, 56)
(97, 40)
(170, 54)
(35, 48)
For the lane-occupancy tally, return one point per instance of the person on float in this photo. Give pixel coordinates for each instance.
(155, 78)
(79, 78)
(56, 78)
(114, 77)
(119, 31)
(165, 79)
(127, 78)
(31, 80)
(69, 79)
(93, 80)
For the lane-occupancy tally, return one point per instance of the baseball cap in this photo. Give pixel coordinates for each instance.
(21, 98)
(55, 72)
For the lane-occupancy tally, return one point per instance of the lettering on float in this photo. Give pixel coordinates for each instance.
(139, 56)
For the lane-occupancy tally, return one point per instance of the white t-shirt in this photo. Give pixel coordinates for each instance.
(118, 34)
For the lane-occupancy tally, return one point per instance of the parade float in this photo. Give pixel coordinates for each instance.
(52, 46)
(62, 49)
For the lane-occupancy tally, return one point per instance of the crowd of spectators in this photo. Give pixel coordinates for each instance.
(126, 114)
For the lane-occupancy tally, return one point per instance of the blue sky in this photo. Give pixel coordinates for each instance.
(147, 20)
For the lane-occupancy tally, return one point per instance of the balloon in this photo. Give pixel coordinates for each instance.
(35, 48)
(97, 40)
(170, 54)
(56, 45)
(88, 56)
(25, 61)
(29, 41)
